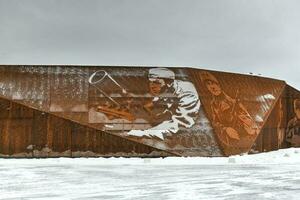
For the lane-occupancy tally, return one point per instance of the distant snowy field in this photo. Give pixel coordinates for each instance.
(273, 175)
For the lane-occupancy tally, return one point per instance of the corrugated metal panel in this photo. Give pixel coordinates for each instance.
(27, 132)
(64, 102)
(39, 129)
(237, 105)
(292, 131)
(282, 126)
(19, 128)
(272, 135)
(4, 136)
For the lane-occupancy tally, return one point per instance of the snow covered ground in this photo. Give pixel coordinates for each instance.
(273, 175)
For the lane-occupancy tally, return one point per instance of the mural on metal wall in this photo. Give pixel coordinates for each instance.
(237, 111)
(233, 123)
(293, 127)
(185, 111)
(159, 107)
(156, 106)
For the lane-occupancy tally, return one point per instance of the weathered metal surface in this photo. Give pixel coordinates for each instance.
(171, 120)
(237, 105)
(155, 106)
(90, 111)
(4, 115)
(282, 128)
(293, 117)
(26, 132)
(272, 136)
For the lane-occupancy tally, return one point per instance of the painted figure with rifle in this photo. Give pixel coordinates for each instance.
(235, 127)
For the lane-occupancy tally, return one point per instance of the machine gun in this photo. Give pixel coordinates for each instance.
(113, 109)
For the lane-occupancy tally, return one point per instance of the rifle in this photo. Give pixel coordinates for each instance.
(235, 105)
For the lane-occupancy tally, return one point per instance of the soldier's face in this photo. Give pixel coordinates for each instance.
(214, 88)
(156, 86)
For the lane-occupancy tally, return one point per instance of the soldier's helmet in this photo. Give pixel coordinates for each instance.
(207, 76)
(164, 73)
(297, 104)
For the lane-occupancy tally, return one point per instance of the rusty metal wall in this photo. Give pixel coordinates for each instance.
(282, 129)
(66, 92)
(26, 132)
(59, 111)
(237, 105)
(272, 136)
(292, 128)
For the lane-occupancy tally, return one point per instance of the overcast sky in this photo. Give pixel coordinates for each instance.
(259, 36)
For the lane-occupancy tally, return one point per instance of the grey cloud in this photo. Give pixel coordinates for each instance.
(234, 35)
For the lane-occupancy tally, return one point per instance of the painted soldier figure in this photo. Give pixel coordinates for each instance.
(175, 104)
(234, 126)
(293, 127)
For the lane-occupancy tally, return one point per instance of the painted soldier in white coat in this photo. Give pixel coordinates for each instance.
(174, 104)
